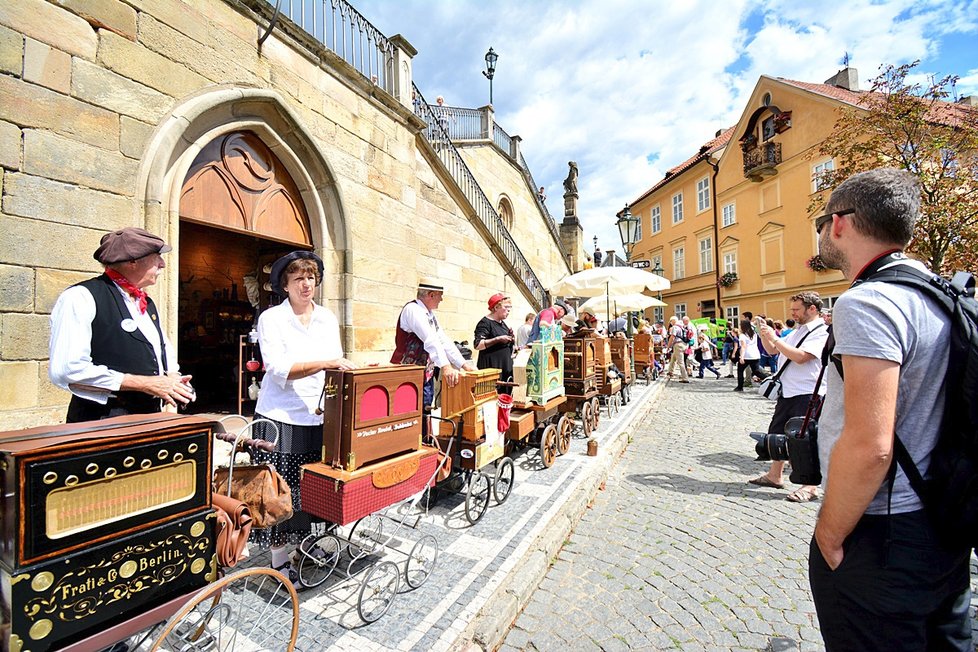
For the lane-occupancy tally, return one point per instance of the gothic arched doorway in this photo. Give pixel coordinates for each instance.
(239, 211)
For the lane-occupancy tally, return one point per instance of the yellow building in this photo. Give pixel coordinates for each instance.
(738, 210)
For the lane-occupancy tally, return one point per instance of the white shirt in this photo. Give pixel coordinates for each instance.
(417, 319)
(800, 379)
(523, 335)
(284, 341)
(70, 346)
(748, 347)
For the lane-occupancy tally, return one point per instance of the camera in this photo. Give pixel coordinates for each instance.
(799, 448)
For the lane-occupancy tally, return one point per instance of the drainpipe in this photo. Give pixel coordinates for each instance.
(716, 232)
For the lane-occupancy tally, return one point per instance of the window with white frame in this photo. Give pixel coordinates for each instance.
(732, 313)
(656, 219)
(729, 214)
(820, 175)
(680, 310)
(658, 314)
(730, 262)
(677, 208)
(828, 302)
(679, 263)
(638, 228)
(706, 255)
(703, 194)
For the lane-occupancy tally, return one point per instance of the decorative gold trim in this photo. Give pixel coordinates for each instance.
(71, 480)
(129, 461)
(40, 629)
(145, 464)
(17, 578)
(197, 566)
(177, 457)
(110, 472)
(91, 469)
(16, 645)
(42, 581)
(212, 573)
(192, 448)
(128, 569)
(162, 454)
(197, 529)
(50, 477)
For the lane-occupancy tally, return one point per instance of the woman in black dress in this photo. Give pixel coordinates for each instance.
(494, 339)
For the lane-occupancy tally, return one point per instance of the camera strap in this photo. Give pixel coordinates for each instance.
(814, 408)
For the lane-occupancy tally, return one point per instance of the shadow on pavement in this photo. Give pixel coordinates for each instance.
(692, 486)
(733, 462)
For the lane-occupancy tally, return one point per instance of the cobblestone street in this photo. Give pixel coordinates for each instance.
(678, 551)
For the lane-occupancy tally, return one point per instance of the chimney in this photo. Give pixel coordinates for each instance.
(969, 100)
(847, 78)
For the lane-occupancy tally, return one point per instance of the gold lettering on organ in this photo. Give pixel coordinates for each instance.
(93, 504)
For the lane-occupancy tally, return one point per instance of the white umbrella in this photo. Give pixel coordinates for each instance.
(609, 281)
(620, 303)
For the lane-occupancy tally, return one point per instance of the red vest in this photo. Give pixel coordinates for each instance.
(408, 347)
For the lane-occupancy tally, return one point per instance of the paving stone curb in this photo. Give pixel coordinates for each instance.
(488, 630)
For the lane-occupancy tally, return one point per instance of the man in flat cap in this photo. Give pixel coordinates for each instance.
(107, 346)
(420, 340)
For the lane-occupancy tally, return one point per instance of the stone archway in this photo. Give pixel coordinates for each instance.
(204, 118)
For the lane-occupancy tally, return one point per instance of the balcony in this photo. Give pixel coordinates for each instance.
(761, 162)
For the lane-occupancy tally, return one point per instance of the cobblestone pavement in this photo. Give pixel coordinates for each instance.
(678, 551)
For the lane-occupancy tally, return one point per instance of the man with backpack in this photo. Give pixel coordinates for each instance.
(882, 577)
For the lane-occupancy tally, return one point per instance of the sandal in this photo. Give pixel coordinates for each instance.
(803, 495)
(289, 570)
(764, 481)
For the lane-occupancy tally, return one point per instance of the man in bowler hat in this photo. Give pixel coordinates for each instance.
(107, 346)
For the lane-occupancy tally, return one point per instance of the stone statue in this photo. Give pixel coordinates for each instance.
(570, 183)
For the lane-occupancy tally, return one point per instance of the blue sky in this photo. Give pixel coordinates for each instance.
(630, 88)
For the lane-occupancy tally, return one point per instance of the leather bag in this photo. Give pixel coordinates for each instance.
(261, 488)
(770, 388)
(234, 526)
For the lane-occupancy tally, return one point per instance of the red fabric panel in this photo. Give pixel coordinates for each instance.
(406, 399)
(374, 404)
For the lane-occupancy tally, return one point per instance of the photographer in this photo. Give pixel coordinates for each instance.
(880, 579)
(800, 364)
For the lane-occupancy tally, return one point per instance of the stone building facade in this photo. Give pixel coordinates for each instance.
(168, 115)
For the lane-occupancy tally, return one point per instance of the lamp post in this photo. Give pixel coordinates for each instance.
(490, 70)
(627, 227)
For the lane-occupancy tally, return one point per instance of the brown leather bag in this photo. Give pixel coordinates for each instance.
(259, 486)
(234, 526)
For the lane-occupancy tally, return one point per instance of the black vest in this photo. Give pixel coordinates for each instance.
(119, 350)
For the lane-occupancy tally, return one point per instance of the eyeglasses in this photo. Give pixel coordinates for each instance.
(822, 220)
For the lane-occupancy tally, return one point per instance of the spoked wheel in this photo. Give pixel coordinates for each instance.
(252, 609)
(367, 536)
(564, 428)
(421, 562)
(548, 445)
(586, 422)
(477, 497)
(378, 590)
(317, 561)
(502, 485)
(595, 413)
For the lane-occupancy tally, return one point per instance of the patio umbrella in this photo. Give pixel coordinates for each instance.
(610, 282)
(620, 303)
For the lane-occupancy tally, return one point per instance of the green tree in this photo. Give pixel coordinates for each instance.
(915, 127)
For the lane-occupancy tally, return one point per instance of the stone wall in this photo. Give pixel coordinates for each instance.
(103, 105)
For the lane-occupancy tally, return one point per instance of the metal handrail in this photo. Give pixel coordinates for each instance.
(439, 138)
(344, 30)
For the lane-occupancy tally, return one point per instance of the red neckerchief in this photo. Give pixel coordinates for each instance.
(136, 293)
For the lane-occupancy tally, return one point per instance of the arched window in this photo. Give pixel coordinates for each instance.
(505, 210)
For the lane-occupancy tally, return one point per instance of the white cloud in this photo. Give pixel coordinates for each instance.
(616, 83)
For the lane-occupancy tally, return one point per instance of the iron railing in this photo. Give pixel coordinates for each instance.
(440, 140)
(459, 123)
(342, 29)
(762, 160)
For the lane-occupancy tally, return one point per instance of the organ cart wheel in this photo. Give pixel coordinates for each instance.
(378, 590)
(477, 497)
(548, 445)
(502, 485)
(595, 413)
(252, 609)
(586, 418)
(317, 561)
(421, 562)
(367, 536)
(564, 427)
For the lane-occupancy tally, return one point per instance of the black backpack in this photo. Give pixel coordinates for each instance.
(950, 494)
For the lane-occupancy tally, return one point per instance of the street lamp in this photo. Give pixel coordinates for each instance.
(490, 70)
(627, 227)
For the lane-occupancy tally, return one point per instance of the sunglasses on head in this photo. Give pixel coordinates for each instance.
(822, 220)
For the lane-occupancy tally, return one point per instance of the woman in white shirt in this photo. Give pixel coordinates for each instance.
(750, 355)
(299, 340)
